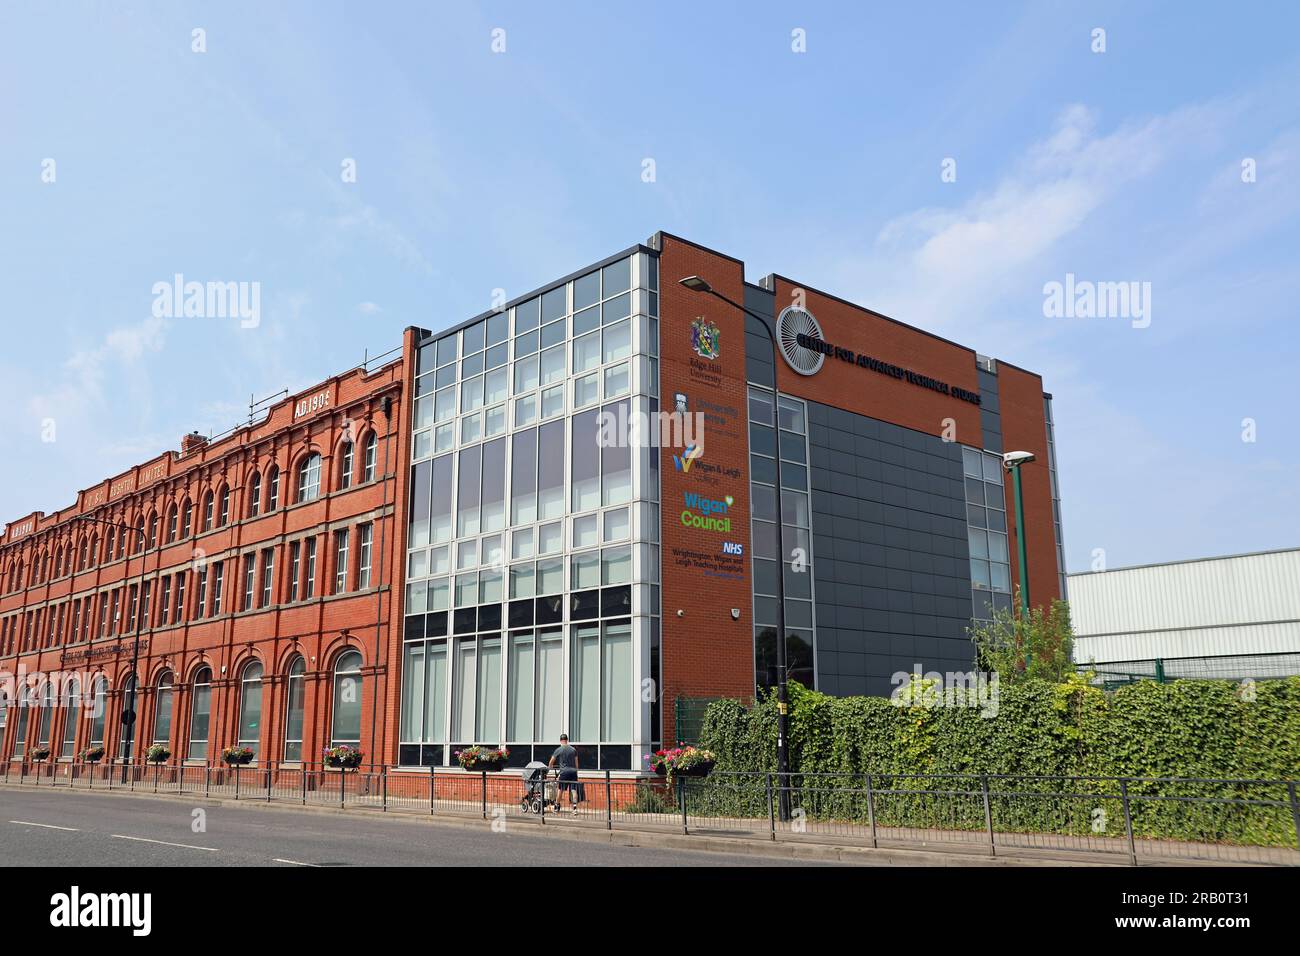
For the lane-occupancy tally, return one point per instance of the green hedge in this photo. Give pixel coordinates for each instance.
(1185, 729)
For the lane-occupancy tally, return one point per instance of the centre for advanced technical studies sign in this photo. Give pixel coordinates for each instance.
(885, 368)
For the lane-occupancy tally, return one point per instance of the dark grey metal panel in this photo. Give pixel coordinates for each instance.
(890, 562)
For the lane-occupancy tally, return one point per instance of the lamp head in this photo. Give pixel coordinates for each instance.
(1014, 459)
(696, 284)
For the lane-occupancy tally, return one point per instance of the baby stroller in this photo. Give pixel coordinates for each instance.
(541, 790)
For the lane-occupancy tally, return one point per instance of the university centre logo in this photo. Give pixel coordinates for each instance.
(707, 514)
(704, 339)
(688, 457)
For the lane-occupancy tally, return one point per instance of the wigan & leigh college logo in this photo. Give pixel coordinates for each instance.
(704, 338)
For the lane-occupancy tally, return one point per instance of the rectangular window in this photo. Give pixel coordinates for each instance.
(468, 492)
(520, 707)
(295, 565)
(341, 561)
(550, 470)
(494, 486)
(250, 580)
(201, 604)
(268, 575)
(144, 604)
(132, 607)
(585, 699)
(488, 710)
(585, 463)
(364, 535)
(218, 579)
(103, 615)
(523, 478)
(165, 602)
(181, 577)
(309, 585)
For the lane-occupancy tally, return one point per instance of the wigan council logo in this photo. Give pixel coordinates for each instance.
(704, 338)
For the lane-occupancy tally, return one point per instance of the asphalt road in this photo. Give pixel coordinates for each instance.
(73, 829)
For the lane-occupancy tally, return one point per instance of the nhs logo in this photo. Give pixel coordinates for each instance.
(733, 547)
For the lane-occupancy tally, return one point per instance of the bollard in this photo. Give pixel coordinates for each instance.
(1128, 822)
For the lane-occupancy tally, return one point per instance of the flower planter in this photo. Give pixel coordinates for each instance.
(484, 765)
(342, 763)
(698, 770)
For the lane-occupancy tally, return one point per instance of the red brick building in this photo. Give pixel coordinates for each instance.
(252, 574)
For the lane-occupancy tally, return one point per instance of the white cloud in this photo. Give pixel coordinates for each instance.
(368, 308)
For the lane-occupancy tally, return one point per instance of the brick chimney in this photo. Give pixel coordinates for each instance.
(191, 443)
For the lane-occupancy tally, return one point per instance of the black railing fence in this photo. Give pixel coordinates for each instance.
(1129, 819)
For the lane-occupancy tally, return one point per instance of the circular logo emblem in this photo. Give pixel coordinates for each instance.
(791, 324)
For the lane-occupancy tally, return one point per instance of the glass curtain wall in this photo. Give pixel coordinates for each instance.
(533, 561)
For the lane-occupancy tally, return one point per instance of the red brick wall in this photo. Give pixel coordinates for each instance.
(705, 652)
(1024, 428)
(866, 392)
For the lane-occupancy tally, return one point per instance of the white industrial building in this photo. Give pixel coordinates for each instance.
(1233, 610)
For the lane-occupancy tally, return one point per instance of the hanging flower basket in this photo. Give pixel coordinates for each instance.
(158, 753)
(683, 762)
(237, 756)
(659, 761)
(477, 758)
(92, 754)
(40, 753)
(343, 757)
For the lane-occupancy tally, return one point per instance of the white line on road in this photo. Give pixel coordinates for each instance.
(294, 862)
(47, 826)
(183, 846)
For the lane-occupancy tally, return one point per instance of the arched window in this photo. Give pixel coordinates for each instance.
(372, 447)
(47, 713)
(295, 697)
(200, 713)
(309, 478)
(4, 714)
(130, 701)
(223, 513)
(162, 709)
(99, 716)
(187, 518)
(94, 550)
(72, 706)
(153, 530)
(26, 701)
(273, 489)
(109, 538)
(137, 545)
(209, 510)
(172, 523)
(82, 554)
(345, 727)
(254, 494)
(250, 707)
(345, 466)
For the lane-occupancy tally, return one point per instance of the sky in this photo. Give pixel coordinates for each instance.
(940, 163)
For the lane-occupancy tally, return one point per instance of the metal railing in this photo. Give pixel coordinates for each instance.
(1125, 819)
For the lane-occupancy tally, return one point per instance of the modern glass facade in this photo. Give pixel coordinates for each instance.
(531, 605)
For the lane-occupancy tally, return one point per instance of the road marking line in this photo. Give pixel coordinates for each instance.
(47, 826)
(183, 846)
(294, 862)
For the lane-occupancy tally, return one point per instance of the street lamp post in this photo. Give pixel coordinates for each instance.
(696, 284)
(129, 724)
(1012, 461)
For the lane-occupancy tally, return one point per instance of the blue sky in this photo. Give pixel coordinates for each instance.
(479, 170)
